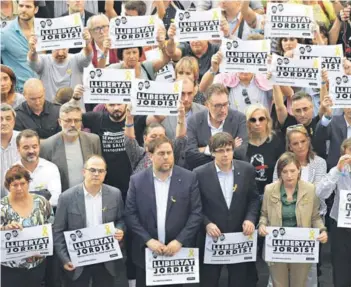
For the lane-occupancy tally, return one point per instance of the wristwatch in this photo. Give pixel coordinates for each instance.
(212, 73)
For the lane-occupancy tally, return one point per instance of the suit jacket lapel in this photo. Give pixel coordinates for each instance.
(228, 125)
(343, 127)
(149, 185)
(60, 157)
(174, 186)
(105, 202)
(205, 130)
(238, 184)
(81, 204)
(83, 145)
(217, 186)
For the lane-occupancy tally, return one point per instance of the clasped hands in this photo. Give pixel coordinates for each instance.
(161, 249)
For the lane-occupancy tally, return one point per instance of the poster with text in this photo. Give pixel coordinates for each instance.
(289, 20)
(92, 245)
(133, 31)
(340, 90)
(292, 245)
(19, 244)
(344, 216)
(230, 248)
(156, 98)
(244, 56)
(296, 72)
(108, 86)
(59, 33)
(198, 25)
(181, 268)
(331, 56)
(167, 73)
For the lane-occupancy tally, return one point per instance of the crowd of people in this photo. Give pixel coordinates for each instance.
(241, 154)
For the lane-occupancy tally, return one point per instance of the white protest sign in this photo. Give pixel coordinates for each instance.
(181, 268)
(230, 248)
(136, 31)
(108, 86)
(296, 72)
(167, 73)
(344, 217)
(331, 56)
(92, 245)
(59, 33)
(289, 20)
(31, 241)
(340, 90)
(292, 245)
(156, 98)
(244, 56)
(198, 25)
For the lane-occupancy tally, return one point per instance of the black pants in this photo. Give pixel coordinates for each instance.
(97, 273)
(341, 254)
(11, 277)
(239, 275)
(141, 279)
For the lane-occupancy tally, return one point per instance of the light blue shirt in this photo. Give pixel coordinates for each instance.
(14, 50)
(161, 194)
(226, 180)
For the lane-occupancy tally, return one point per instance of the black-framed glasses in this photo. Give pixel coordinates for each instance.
(246, 97)
(96, 170)
(220, 106)
(69, 121)
(260, 119)
(100, 28)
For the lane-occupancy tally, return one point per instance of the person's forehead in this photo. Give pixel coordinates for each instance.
(301, 103)
(95, 163)
(100, 21)
(219, 97)
(28, 141)
(164, 147)
(71, 114)
(6, 113)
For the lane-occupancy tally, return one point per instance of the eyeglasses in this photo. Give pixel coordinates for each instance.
(220, 106)
(254, 120)
(246, 96)
(100, 28)
(224, 150)
(69, 121)
(96, 170)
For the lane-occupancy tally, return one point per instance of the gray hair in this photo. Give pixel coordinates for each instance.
(92, 18)
(69, 107)
(7, 107)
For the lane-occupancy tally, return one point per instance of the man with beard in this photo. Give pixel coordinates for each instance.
(60, 69)
(70, 148)
(45, 176)
(14, 42)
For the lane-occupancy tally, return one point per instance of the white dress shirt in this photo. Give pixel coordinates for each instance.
(161, 194)
(226, 180)
(214, 131)
(93, 208)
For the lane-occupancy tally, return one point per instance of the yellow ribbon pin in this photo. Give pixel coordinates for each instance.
(175, 88)
(315, 63)
(337, 51)
(250, 237)
(215, 15)
(191, 253)
(306, 11)
(151, 21)
(311, 236)
(173, 199)
(108, 229)
(69, 71)
(44, 231)
(76, 19)
(128, 76)
(235, 187)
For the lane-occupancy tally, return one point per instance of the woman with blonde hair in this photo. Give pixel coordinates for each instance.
(264, 146)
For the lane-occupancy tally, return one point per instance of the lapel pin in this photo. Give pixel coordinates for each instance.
(173, 199)
(104, 209)
(179, 180)
(235, 187)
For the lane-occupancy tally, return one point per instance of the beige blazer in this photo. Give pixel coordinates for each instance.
(307, 206)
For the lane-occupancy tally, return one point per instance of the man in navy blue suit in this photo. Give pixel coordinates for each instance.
(163, 207)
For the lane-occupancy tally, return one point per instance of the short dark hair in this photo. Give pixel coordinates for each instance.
(301, 95)
(151, 126)
(286, 159)
(154, 144)
(136, 5)
(26, 134)
(16, 172)
(221, 139)
(215, 89)
(120, 52)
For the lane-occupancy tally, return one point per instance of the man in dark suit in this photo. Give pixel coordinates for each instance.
(163, 207)
(218, 118)
(75, 210)
(230, 204)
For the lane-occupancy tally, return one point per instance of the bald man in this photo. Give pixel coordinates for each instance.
(36, 113)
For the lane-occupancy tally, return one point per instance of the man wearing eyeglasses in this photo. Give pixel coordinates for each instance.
(86, 205)
(218, 118)
(70, 148)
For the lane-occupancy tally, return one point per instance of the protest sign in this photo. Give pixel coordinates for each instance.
(340, 90)
(59, 33)
(331, 56)
(245, 56)
(167, 73)
(92, 245)
(181, 268)
(344, 217)
(296, 72)
(30, 241)
(292, 245)
(230, 248)
(289, 20)
(156, 98)
(108, 86)
(198, 25)
(135, 31)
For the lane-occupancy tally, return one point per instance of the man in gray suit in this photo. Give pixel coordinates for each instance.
(89, 204)
(70, 148)
(218, 118)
